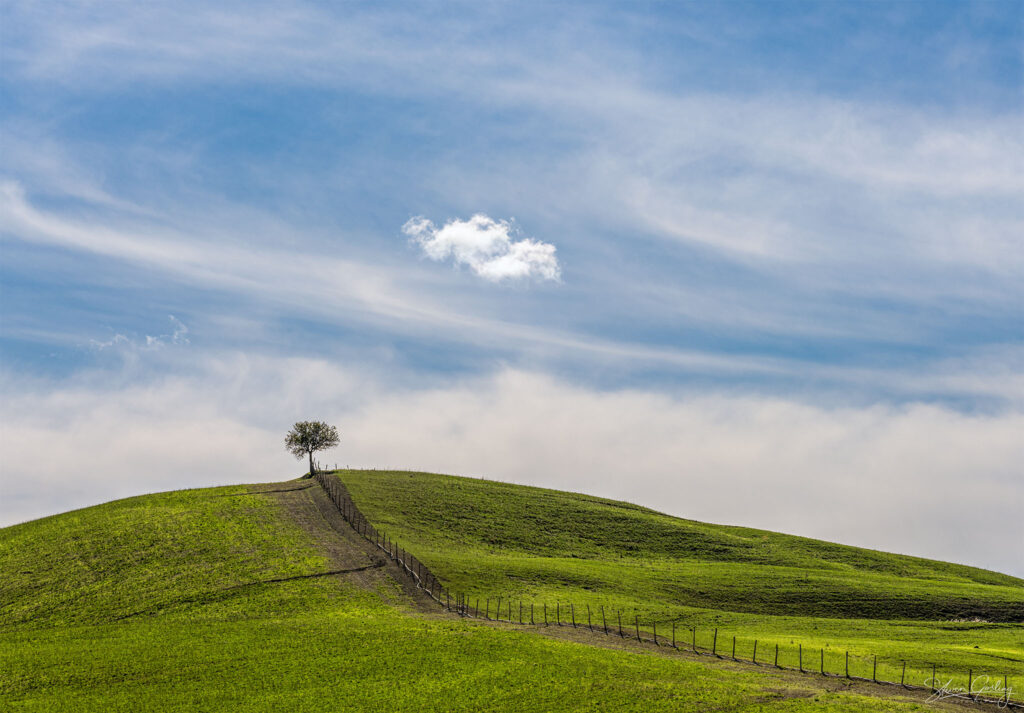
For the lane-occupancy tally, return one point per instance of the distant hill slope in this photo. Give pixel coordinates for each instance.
(530, 542)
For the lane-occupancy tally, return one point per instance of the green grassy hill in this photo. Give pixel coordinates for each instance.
(187, 552)
(257, 598)
(495, 540)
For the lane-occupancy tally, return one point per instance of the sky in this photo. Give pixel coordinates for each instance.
(757, 264)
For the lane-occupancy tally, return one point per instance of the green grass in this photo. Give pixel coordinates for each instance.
(155, 554)
(493, 540)
(363, 656)
(162, 603)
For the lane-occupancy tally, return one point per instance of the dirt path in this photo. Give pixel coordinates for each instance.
(355, 559)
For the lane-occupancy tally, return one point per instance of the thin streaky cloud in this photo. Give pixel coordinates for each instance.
(328, 286)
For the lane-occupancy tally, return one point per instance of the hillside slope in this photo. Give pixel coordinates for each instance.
(491, 540)
(194, 552)
(503, 537)
(259, 599)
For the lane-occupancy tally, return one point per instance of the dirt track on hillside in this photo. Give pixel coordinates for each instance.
(351, 556)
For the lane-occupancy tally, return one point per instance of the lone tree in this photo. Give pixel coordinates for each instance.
(309, 436)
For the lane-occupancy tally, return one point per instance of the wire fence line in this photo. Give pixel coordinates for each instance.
(421, 575)
(983, 688)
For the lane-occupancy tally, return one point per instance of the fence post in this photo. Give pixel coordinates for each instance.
(734, 648)
(753, 658)
(531, 612)
(545, 613)
(477, 607)
(655, 625)
(673, 633)
(933, 678)
(590, 624)
(558, 613)
(497, 610)
(487, 610)
(847, 664)
(714, 644)
(636, 623)
(801, 659)
(970, 682)
(823, 662)
(903, 675)
(776, 655)
(572, 614)
(604, 621)
(520, 611)
(874, 668)
(619, 613)
(694, 630)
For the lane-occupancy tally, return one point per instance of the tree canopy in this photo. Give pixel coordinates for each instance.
(307, 437)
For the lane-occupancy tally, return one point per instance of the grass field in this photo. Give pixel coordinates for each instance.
(202, 601)
(493, 540)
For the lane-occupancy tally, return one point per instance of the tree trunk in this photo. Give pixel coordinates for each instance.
(311, 464)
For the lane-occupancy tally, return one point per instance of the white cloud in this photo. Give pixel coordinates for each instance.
(178, 337)
(916, 479)
(486, 246)
(179, 334)
(116, 341)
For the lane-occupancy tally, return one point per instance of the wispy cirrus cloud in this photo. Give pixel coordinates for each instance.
(486, 246)
(328, 288)
(178, 335)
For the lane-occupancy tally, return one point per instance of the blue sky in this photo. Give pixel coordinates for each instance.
(784, 230)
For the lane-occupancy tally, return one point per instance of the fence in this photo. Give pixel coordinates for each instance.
(823, 662)
(422, 577)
